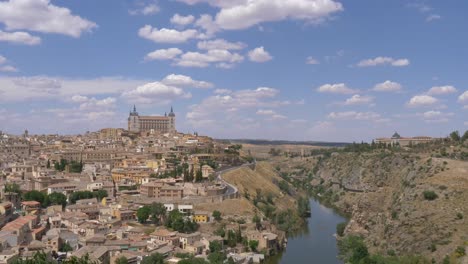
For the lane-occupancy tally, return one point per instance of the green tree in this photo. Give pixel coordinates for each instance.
(143, 214)
(455, 136)
(65, 248)
(215, 246)
(340, 228)
(80, 195)
(465, 136)
(35, 196)
(253, 244)
(12, 187)
(100, 194)
(157, 212)
(217, 215)
(155, 258)
(57, 199)
(256, 220)
(430, 195)
(48, 164)
(121, 260)
(199, 176)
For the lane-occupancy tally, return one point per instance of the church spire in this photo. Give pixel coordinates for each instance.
(134, 108)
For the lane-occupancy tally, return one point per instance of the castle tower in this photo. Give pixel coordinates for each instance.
(133, 121)
(172, 117)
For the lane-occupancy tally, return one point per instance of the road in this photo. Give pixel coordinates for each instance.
(231, 189)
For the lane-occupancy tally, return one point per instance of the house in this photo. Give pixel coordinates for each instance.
(188, 239)
(6, 213)
(201, 217)
(8, 256)
(31, 207)
(266, 240)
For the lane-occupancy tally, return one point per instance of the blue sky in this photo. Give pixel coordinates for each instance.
(334, 70)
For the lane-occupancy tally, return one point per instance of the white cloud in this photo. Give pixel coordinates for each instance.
(19, 37)
(155, 92)
(422, 100)
(463, 98)
(179, 80)
(79, 99)
(145, 8)
(433, 17)
(436, 116)
(42, 16)
(220, 44)
(312, 60)
(338, 88)
(352, 115)
(222, 91)
(201, 60)
(265, 112)
(359, 100)
(259, 55)
(93, 104)
(438, 90)
(244, 14)
(8, 68)
(182, 20)
(387, 86)
(207, 23)
(2, 59)
(383, 61)
(50, 88)
(165, 35)
(163, 54)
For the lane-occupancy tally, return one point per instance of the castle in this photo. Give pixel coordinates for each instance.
(161, 124)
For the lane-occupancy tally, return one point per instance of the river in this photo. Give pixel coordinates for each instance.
(315, 244)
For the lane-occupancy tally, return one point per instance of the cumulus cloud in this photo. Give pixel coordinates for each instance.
(165, 35)
(155, 92)
(19, 37)
(433, 116)
(439, 90)
(207, 23)
(337, 88)
(359, 100)
(268, 112)
(182, 20)
(244, 14)
(352, 115)
(311, 60)
(387, 86)
(383, 61)
(149, 8)
(8, 68)
(463, 98)
(422, 100)
(39, 84)
(201, 60)
(163, 54)
(94, 104)
(179, 80)
(222, 91)
(220, 44)
(42, 16)
(259, 55)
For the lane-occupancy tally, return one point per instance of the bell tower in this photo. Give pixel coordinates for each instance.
(172, 128)
(134, 121)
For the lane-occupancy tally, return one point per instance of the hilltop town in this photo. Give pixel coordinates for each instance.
(127, 196)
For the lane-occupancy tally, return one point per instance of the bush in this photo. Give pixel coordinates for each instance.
(340, 228)
(430, 195)
(459, 216)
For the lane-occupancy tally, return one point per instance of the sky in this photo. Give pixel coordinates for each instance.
(319, 70)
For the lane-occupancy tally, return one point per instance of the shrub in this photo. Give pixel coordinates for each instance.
(459, 216)
(430, 195)
(340, 228)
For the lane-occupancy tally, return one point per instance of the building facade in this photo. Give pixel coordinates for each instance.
(404, 141)
(159, 124)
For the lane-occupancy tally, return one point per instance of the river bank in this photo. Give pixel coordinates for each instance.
(315, 243)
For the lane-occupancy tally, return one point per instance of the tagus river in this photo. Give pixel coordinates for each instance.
(316, 244)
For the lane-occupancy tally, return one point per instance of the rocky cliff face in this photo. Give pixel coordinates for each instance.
(384, 191)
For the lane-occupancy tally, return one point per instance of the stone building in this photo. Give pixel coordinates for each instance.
(159, 124)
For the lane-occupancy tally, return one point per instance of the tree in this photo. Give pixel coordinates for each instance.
(340, 228)
(215, 246)
(143, 214)
(12, 187)
(121, 260)
(465, 136)
(155, 258)
(100, 194)
(455, 136)
(256, 220)
(35, 196)
(79, 195)
(199, 176)
(65, 248)
(253, 244)
(48, 164)
(157, 212)
(217, 215)
(430, 195)
(57, 199)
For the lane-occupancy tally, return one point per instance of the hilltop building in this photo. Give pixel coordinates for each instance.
(404, 141)
(161, 124)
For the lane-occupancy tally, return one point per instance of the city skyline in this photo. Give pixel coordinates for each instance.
(305, 70)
